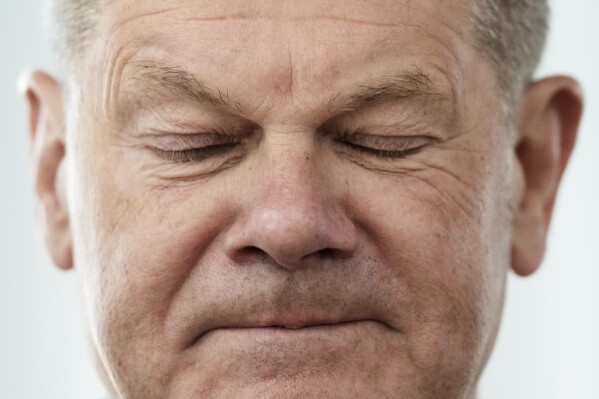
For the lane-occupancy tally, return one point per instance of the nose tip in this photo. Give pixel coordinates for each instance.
(292, 229)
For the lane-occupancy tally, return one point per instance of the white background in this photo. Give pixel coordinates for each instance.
(548, 346)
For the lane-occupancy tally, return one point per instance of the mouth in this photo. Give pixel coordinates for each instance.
(305, 325)
(289, 328)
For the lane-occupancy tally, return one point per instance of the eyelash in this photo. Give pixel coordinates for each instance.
(195, 155)
(389, 154)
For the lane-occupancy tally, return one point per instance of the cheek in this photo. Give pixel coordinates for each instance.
(135, 246)
(446, 242)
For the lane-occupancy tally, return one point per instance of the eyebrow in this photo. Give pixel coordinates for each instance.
(159, 79)
(406, 84)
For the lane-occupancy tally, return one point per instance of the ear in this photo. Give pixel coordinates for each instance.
(47, 139)
(548, 126)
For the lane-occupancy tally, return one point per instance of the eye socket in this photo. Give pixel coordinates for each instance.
(388, 147)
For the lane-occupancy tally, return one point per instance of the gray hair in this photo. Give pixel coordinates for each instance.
(70, 26)
(510, 33)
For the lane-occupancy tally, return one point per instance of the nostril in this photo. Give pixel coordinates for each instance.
(249, 254)
(253, 250)
(253, 254)
(325, 253)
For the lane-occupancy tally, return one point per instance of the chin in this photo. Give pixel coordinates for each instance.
(317, 386)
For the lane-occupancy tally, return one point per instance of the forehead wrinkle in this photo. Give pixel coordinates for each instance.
(308, 18)
(149, 14)
(114, 64)
(257, 15)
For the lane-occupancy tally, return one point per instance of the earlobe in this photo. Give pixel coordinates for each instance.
(548, 126)
(47, 138)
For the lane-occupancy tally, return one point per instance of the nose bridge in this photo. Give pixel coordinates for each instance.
(293, 213)
(294, 204)
(292, 182)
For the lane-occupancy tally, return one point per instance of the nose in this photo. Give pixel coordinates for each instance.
(294, 219)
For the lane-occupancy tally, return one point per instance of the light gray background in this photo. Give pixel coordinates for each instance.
(548, 346)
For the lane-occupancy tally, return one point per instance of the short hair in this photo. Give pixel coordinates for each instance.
(511, 34)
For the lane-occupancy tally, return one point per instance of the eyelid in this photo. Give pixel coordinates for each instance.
(387, 143)
(182, 142)
(194, 155)
(386, 147)
(383, 147)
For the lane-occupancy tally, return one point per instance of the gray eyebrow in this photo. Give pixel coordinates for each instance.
(159, 79)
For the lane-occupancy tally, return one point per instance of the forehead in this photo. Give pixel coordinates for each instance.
(286, 50)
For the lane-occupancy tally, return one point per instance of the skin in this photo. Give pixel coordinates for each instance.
(293, 261)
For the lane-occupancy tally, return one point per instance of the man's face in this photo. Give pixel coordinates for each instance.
(301, 199)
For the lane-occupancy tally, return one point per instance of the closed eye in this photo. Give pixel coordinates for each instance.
(392, 154)
(389, 147)
(195, 154)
